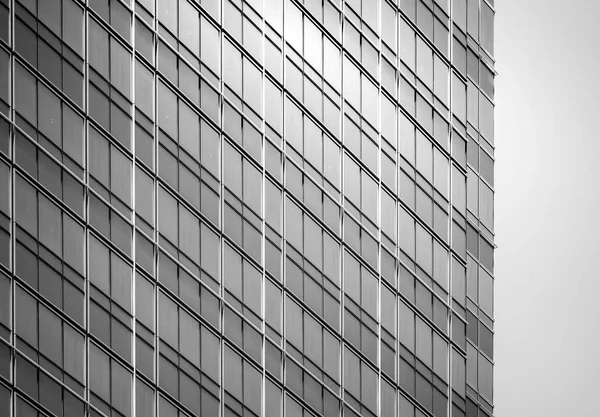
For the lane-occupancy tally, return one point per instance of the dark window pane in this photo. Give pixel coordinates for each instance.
(5, 296)
(99, 376)
(120, 388)
(25, 94)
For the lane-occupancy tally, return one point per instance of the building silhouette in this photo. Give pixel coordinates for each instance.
(246, 208)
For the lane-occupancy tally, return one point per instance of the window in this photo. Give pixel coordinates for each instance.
(459, 99)
(425, 63)
(242, 383)
(485, 377)
(311, 343)
(144, 399)
(487, 28)
(243, 282)
(192, 292)
(104, 46)
(486, 205)
(360, 384)
(50, 54)
(273, 308)
(188, 337)
(110, 168)
(361, 191)
(5, 297)
(189, 361)
(486, 343)
(58, 231)
(144, 87)
(4, 79)
(5, 397)
(210, 46)
(486, 118)
(242, 25)
(360, 92)
(486, 79)
(441, 79)
(486, 291)
(243, 200)
(316, 152)
(192, 168)
(25, 94)
(388, 216)
(360, 316)
(109, 382)
(458, 190)
(110, 107)
(310, 277)
(193, 241)
(110, 308)
(243, 79)
(144, 301)
(50, 336)
(189, 27)
(388, 25)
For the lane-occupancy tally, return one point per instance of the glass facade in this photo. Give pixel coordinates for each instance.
(246, 208)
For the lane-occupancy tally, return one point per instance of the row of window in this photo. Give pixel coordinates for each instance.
(183, 121)
(326, 55)
(187, 324)
(213, 270)
(54, 43)
(476, 18)
(193, 254)
(186, 319)
(100, 51)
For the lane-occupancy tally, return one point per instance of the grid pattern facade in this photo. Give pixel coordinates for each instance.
(246, 208)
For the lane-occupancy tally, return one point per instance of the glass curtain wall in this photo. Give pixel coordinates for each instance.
(246, 208)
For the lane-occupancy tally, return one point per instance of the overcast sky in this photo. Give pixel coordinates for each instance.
(547, 345)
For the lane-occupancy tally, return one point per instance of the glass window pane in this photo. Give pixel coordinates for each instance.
(424, 342)
(167, 14)
(424, 63)
(50, 228)
(167, 110)
(406, 326)
(351, 84)
(189, 26)
(120, 388)
(26, 317)
(487, 28)
(98, 48)
(99, 368)
(25, 94)
(313, 37)
(73, 25)
(144, 298)
(485, 376)
(486, 118)
(167, 323)
(120, 67)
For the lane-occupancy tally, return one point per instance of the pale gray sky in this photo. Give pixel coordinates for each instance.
(547, 345)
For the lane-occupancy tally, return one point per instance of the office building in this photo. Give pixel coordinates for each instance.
(246, 208)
